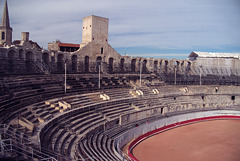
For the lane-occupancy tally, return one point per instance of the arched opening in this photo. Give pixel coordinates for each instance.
(155, 66)
(11, 56)
(21, 54)
(45, 58)
(166, 66)
(182, 63)
(188, 66)
(160, 63)
(122, 65)
(29, 56)
(110, 67)
(182, 66)
(86, 64)
(74, 63)
(177, 63)
(133, 65)
(60, 63)
(144, 67)
(29, 61)
(3, 35)
(160, 66)
(98, 65)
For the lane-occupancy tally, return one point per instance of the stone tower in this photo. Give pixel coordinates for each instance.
(25, 36)
(5, 29)
(95, 29)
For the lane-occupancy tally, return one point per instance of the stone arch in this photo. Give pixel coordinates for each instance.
(122, 65)
(110, 66)
(86, 64)
(11, 56)
(155, 68)
(165, 65)
(177, 64)
(188, 68)
(133, 65)
(60, 63)
(160, 65)
(29, 56)
(3, 35)
(160, 62)
(74, 63)
(182, 63)
(181, 66)
(45, 58)
(99, 61)
(144, 66)
(29, 61)
(21, 54)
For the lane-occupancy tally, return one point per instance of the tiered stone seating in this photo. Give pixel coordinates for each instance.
(147, 92)
(24, 91)
(118, 93)
(96, 142)
(88, 127)
(90, 83)
(99, 145)
(113, 111)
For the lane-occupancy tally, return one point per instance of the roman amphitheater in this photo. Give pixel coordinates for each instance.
(87, 102)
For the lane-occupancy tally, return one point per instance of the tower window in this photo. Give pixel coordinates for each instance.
(101, 50)
(3, 35)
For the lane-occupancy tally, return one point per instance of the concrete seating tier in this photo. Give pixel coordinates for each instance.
(99, 146)
(25, 90)
(20, 91)
(88, 128)
(90, 84)
(118, 93)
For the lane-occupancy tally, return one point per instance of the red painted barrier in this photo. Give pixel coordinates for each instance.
(171, 126)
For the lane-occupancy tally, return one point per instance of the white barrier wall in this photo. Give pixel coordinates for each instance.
(126, 137)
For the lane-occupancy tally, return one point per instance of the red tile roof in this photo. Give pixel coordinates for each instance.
(69, 45)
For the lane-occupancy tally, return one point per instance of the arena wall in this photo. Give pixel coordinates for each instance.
(134, 133)
(171, 126)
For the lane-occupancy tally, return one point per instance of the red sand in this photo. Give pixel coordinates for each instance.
(217, 140)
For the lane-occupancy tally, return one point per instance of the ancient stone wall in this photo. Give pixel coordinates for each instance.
(96, 53)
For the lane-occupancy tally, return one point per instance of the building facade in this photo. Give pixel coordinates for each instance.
(94, 53)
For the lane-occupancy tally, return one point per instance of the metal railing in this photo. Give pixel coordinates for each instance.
(10, 146)
(12, 140)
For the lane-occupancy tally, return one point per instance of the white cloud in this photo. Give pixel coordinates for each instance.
(160, 24)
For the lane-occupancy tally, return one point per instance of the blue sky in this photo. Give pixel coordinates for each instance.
(152, 28)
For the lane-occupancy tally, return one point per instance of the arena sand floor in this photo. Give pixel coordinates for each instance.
(215, 140)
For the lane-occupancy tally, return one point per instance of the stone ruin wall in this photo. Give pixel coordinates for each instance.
(153, 65)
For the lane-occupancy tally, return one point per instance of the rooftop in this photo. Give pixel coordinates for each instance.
(69, 45)
(214, 55)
